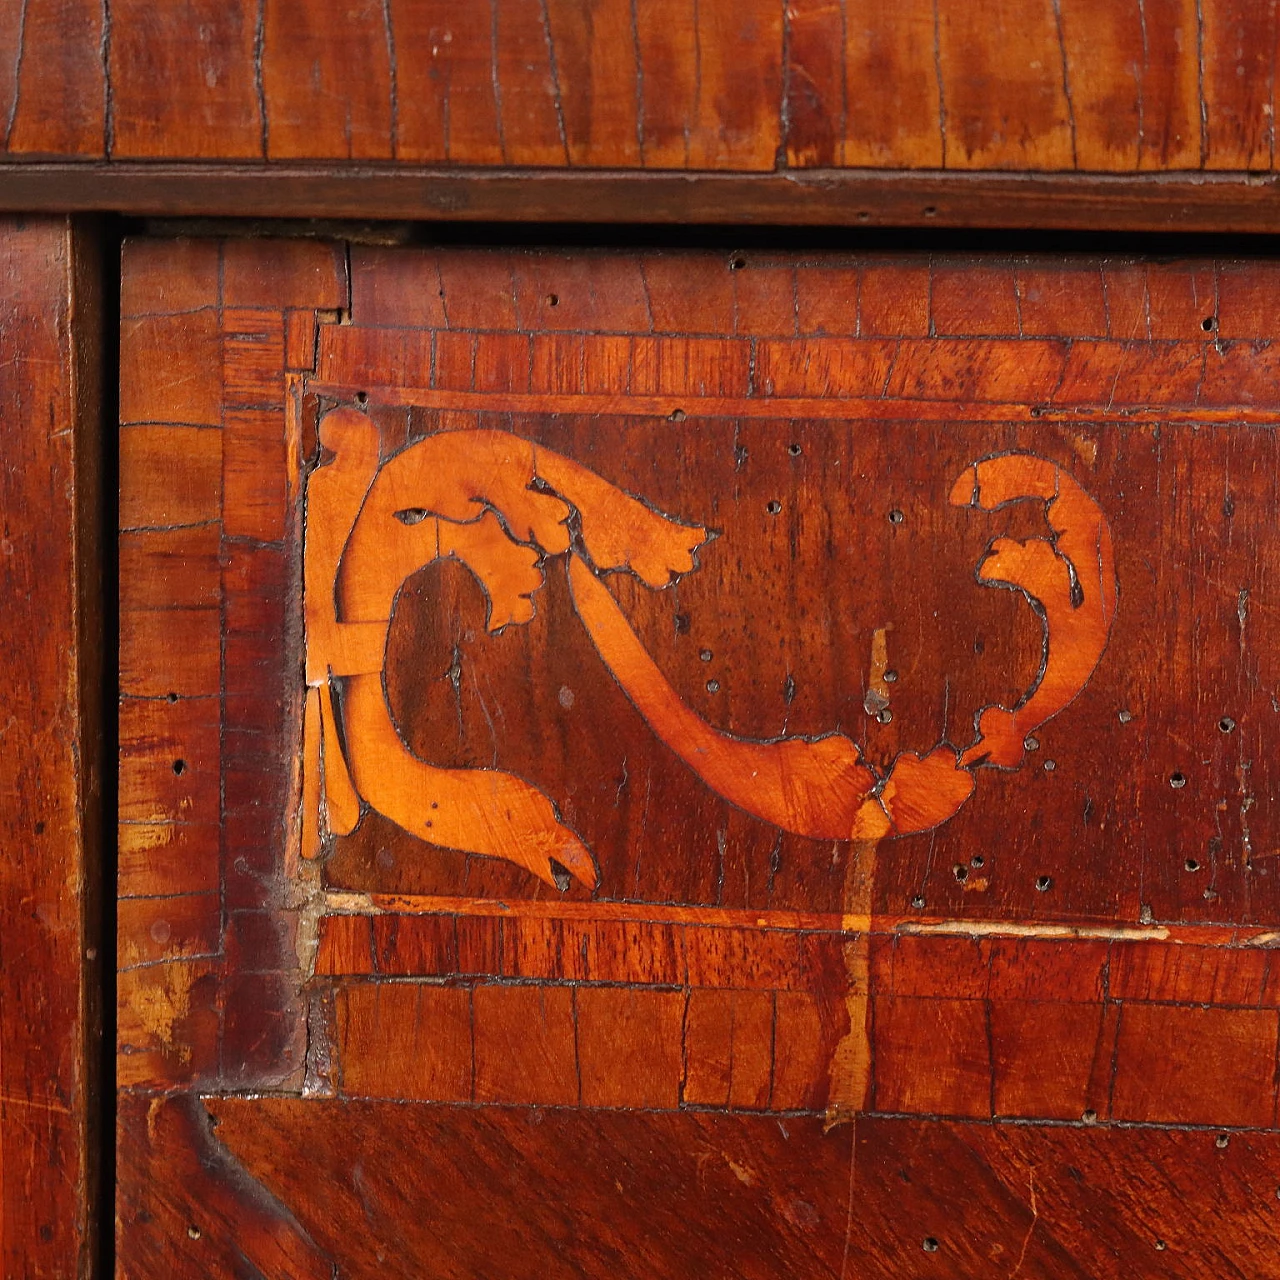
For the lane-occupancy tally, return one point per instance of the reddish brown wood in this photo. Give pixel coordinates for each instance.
(1058, 1003)
(50, 874)
(1027, 85)
(743, 1195)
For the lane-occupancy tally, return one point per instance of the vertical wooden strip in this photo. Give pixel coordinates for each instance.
(1170, 103)
(326, 81)
(52, 98)
(1102, 47)
(527, 85)
(668, 82)
(1239, 83)
(50, 765)
(1013, 46)
(816, 102)
(185, 90)
(596, 53)
(895, 111)
(737, 119)
(447, 98)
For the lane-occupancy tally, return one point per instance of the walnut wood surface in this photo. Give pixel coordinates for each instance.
(412, 1190)
(1030, 85)
(50, 764)
(1024, 1035)
(767, 106)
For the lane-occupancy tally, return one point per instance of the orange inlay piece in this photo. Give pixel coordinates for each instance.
(500, 506)
(814, 787)
(1071, 578)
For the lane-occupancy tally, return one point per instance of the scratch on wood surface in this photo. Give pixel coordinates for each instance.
(1035, 1217)
(34, 1104)
(852, 921)
(850, 1071)
(1008, 929)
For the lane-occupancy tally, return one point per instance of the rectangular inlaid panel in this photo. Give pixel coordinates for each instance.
(737, 691)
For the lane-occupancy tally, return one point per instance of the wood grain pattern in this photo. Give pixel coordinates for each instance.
(743, 1195)
(50, 767)
(730, 1045)
(1058, 86)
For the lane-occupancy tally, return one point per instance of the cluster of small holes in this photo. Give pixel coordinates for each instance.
(1177, 781)
(1226, 724)
(1044, 883)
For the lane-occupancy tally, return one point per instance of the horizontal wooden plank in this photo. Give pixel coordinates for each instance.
(743, 85)
(857, 198)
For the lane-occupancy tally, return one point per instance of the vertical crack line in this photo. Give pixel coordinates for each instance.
(844, 86)
(445, 107)
(784, 103)
(1204, 106)
(697, 79)
(848, 1220)
(17, 74)
(393, 88)
(1271, 93)
(937, 71)
(1066, 82)
(635, 40)
(259, 50)
(555, 80)
(108, 98)
(1142, 84)
(496, 79)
